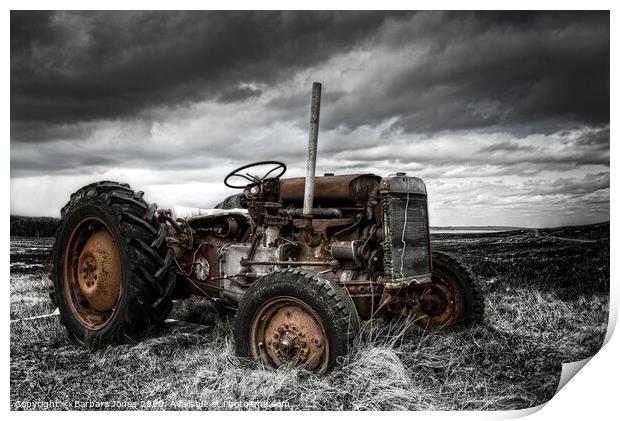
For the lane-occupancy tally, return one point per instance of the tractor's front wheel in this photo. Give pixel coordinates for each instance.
(295, 317)
(110, 265)
(453, 298)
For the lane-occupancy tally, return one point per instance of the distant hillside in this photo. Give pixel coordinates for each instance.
(511, 228)
(477, 228)
(33, 226)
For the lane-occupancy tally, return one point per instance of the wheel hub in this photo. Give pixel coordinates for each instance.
(288, 332)
(288, 344)
(437, 305)
(435, 302)
(99, 271)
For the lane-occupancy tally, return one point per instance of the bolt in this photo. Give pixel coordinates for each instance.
(281, 329)
(285, 345)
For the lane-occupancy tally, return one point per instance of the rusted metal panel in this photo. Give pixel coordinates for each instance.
(365, 296)
(322, 225)
(401, 183)
(333, 263)
(352, 188)
(231, 257)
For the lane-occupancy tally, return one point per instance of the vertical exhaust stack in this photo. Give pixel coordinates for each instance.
(315, 110)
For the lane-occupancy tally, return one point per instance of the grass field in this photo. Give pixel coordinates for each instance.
(547, 294)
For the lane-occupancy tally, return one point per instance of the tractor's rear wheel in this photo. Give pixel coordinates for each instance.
(295, 317)
(453, 298)
(111, 265)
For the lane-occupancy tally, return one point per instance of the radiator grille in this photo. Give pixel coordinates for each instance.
(406, 242)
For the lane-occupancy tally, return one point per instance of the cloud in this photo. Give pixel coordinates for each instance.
(573, 187)
(507, 112)
(464, 71)
(74, 66)
(506, 146)
(433, 71)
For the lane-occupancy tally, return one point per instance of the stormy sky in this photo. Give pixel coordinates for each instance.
(505, 115)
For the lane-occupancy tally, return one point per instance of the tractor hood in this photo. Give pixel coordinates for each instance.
(343, 189)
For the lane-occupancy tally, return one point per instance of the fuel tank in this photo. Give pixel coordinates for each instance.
(330, 189)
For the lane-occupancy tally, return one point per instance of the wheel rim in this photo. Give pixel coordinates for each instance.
(285, 330)
(439, 304)
(93, 273)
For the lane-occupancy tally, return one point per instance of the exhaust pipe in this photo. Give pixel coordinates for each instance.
(315, 110)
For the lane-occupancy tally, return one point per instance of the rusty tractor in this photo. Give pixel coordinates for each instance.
(301, 260)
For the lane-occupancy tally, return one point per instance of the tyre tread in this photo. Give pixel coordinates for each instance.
(151, 280)
(345, 315)
(476, 312)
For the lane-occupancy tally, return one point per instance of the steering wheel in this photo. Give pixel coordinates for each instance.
(253, 179)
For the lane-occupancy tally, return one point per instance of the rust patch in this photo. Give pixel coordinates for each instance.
(92, 273)
(99, 271)
(286, 330)
(333, 188)
(437, 304)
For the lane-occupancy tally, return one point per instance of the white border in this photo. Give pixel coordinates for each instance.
(592, 393)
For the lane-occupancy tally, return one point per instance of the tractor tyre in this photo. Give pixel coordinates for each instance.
(231, 202)
(454, 298)
(295, 317)
(111, 266)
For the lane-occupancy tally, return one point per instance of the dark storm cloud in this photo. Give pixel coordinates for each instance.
(32, 131)
(517, 71)
(590, 183)
(506, 147)
(490, 70)
(595, 139)
(238, 93)
(70, 66)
